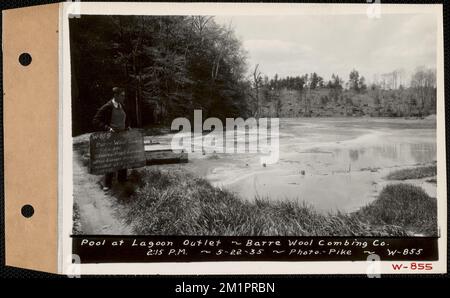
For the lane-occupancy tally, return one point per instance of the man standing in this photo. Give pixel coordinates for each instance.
(113, 118)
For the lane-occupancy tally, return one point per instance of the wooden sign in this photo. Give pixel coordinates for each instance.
(111, 151)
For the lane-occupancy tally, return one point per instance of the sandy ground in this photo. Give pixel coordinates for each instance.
(99, 211)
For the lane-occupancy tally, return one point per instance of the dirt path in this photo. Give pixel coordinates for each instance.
(99, 211)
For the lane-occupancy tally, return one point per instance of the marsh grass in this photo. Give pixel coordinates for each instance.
(405, 205)
(414, 173)
(178, 203)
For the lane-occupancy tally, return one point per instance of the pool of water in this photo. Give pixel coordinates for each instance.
(329, 163)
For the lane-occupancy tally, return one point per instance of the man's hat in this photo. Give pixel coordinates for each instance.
(118, 90)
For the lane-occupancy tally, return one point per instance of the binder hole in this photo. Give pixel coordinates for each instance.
(25, 59)
(27, 211)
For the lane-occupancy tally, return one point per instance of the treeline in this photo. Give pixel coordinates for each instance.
(309, 95)
(313, 81)
(169, 66)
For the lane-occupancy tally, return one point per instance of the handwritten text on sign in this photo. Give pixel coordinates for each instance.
(111, 151)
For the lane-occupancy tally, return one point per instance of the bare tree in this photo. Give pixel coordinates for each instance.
(199, 23)
(257, 82)
(423, 82)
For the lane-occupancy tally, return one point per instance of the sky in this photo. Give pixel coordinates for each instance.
(294, 45)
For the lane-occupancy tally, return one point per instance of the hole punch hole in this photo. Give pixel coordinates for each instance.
(27, 211)
(25, 59)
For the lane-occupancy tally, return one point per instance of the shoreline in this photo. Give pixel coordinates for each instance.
(166, 202)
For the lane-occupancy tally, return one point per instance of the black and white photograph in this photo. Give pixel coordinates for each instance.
(257, 125)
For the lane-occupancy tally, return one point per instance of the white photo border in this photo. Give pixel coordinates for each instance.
(65, 199)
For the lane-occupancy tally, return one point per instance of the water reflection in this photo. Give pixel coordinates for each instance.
(353, 154)
(387, 155)
(425, 152)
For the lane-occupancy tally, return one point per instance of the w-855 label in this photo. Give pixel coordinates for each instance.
(414, 266)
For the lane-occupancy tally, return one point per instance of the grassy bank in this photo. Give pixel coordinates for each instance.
(405, 205)
(178, 203)
(414, 173)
